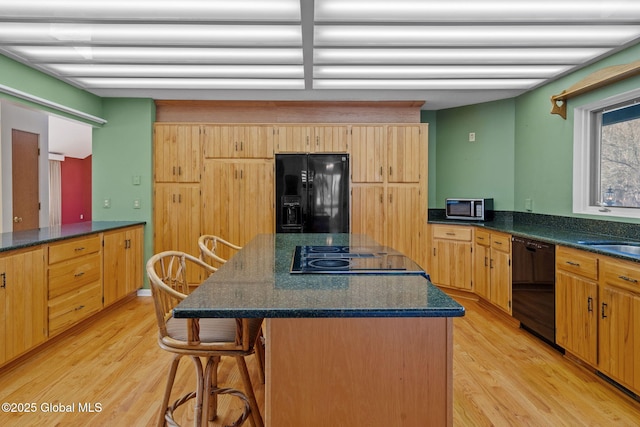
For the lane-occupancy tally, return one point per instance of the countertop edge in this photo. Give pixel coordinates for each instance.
(29, 238)
(319, 313)
(549, 235)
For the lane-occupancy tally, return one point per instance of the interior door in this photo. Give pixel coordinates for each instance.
(25, 177)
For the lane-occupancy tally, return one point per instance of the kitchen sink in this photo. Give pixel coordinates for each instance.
(623, 247)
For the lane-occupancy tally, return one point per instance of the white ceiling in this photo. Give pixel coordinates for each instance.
(445, 53)
(69, 138)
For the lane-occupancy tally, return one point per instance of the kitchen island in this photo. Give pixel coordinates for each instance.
(344, 350)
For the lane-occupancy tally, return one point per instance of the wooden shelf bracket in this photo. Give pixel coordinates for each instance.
(596, 80)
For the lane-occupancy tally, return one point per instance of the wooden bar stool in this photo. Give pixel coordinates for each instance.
(208, 338)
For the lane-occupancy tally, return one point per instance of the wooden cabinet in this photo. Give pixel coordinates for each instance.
(22, 302)
(481, 260)
(238, 141)
(177, 153)
(500, 271)
(451, 256)
(238, 199)
(492, 267)
(123, 262)
(619, 324)
(176, 218)
(368, 212)
(367, 154)
(577, 303)
(311, 139)
(74, 281)
(404, 153)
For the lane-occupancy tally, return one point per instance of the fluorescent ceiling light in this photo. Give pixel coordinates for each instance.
(145, 34)
(436, 71)
(107, 83)
(476, 11)
(160, 70)
(448, 84)
(150, 10)
(455, 56)
(161, 54)
(474, 35)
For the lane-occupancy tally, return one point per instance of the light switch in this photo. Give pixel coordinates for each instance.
(472, 137)
(136, 179)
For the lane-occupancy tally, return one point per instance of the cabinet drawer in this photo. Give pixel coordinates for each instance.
(483, 237)
(578, 262)
(74, 248)
(501, 242)
(69, 275)
(72, 307)
(452, 233)
(625, 275)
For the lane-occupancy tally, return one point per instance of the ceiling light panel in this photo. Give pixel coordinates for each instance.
(40, 54)
(455, 56)
(449, 84)
(151, 34)
(152, 10)
(476, 11)
(167, 83)
(474, 35)
(184, 71)
(437, 71)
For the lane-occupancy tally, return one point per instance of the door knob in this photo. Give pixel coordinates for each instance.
(17, 219)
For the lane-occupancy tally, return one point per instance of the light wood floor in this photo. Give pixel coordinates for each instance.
(502, 377)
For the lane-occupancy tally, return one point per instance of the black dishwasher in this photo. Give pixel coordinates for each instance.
(533, 287)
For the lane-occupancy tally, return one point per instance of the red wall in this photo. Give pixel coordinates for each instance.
(76, 190)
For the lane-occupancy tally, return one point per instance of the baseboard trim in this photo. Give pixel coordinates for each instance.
(144, 292)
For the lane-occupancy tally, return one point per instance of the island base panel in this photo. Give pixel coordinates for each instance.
(359, 372)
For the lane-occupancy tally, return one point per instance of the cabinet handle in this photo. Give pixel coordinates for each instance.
(491, 263)
(589, 304)
(628, 279)
(390, 198)
(603, 306)
(4, 280)
(318, 141)
(236, 149)
(80, 307)
(480, 238)
(79, 274)
(381, 199)
(575, 264)
(390, 171)
(174, 170)
(449, 233)
(81, 248)
(179, 170)
(380, 170)
(179, 198)
(497, 243)
(434, 251)
(241, 146)
(486, 261)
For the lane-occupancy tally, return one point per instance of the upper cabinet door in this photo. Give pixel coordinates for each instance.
(177, 153)
(330, 139)
(404, 153)
(238, 141)
(367, 154)
(293, 139)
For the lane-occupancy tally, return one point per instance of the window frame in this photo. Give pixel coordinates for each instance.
(586, 155)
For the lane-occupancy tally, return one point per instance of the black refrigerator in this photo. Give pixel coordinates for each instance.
(312, 193)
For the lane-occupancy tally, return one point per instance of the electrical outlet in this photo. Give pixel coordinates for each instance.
(106, 203)
(528, 205)
(136, 203)
(472, 137)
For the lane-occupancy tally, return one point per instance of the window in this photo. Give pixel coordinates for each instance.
(606, 163)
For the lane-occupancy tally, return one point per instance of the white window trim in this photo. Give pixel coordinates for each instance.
(582, 164)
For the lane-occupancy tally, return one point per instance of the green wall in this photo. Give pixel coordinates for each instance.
(122, 153)
(522, 151)
(483, 168)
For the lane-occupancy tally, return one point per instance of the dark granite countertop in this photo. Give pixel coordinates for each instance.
(256, 283)
(566, 231)
(27, 238)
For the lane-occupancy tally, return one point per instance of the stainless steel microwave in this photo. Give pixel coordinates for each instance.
(469, 209)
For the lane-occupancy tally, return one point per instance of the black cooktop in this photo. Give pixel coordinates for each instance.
(351, 260)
